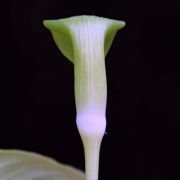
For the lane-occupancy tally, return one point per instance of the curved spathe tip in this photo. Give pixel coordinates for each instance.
(56, 26)
(122, 24)
(49, 24)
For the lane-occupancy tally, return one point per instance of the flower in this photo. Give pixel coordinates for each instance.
(85, 40)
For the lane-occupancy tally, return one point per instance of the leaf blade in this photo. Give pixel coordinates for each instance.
(21, 165)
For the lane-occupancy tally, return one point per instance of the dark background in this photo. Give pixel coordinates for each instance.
(143, 76)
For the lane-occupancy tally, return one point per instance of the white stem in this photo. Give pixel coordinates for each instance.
(91, 127)
(91, 149)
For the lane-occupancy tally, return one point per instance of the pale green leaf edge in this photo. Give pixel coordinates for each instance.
(22, 165)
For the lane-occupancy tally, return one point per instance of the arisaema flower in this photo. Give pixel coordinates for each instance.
(85, 40)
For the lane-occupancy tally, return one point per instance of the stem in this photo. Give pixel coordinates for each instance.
(91, 133)
(91, 151)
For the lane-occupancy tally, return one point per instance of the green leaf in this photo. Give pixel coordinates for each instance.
(21, 165)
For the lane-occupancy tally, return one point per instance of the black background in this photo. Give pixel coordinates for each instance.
(143, 77)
